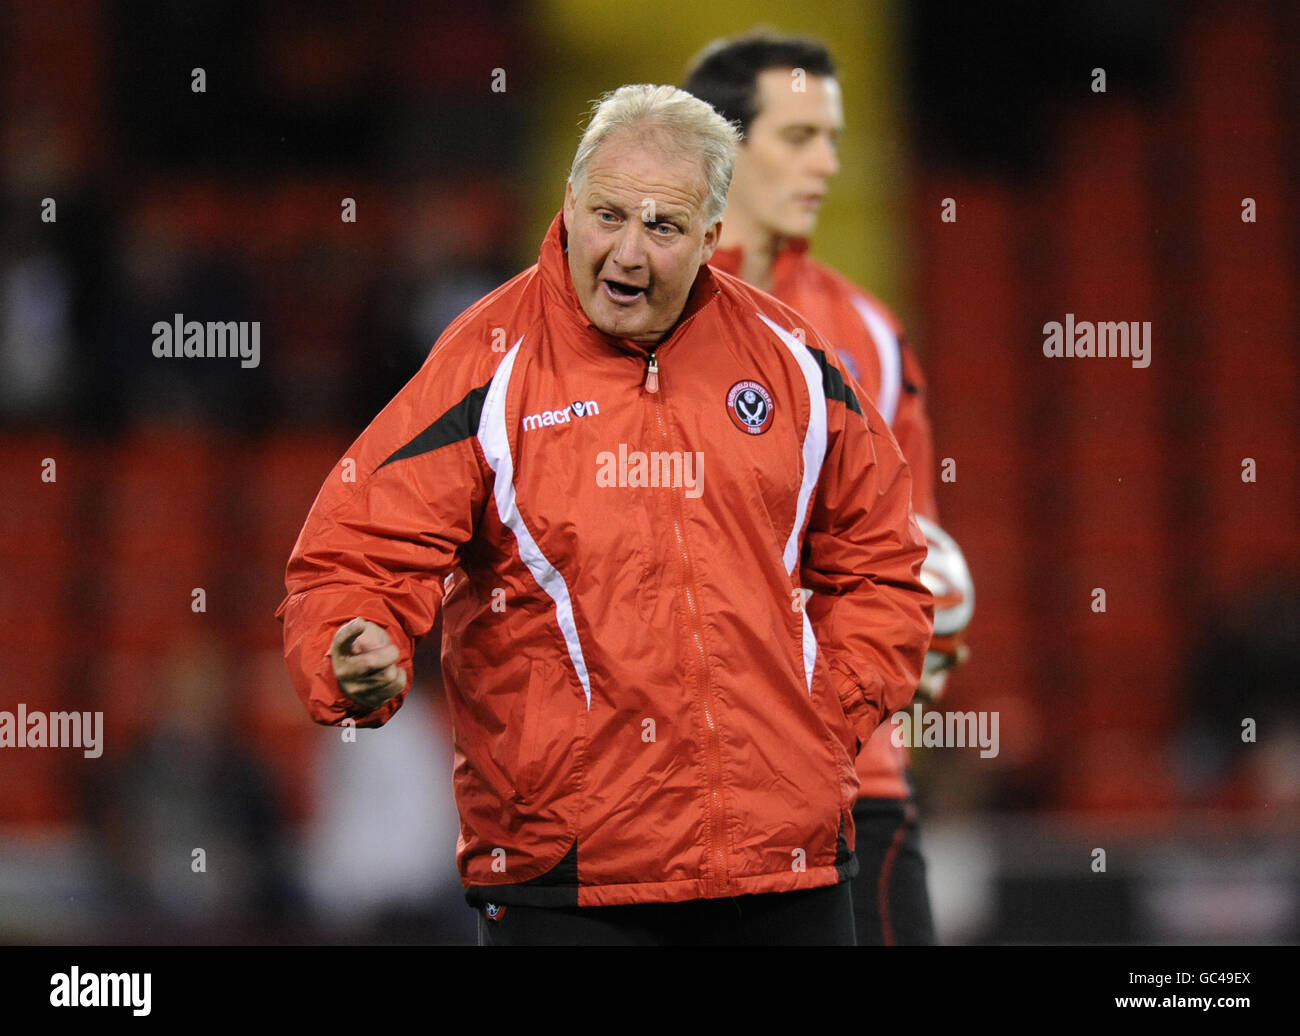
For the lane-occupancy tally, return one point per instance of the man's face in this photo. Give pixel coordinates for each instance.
(637, 236)
(788, 157)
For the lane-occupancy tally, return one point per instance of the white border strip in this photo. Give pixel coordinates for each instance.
(494, 437)
(814, 453)
(891, 359)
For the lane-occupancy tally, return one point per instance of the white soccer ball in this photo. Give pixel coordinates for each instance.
(948, 578)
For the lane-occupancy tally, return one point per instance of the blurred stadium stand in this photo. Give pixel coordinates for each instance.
(1118, 730)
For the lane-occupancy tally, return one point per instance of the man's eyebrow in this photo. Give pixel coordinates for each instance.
(668, 214)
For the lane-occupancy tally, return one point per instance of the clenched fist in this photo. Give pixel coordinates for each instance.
(365, 663)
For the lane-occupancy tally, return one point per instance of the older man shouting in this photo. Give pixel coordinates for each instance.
(614, 474)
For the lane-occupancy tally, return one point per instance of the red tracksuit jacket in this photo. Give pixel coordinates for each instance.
(642, 709)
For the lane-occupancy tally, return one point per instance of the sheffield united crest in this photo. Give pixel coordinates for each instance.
(749, 405)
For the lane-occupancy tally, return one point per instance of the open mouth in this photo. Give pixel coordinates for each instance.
(622, 292)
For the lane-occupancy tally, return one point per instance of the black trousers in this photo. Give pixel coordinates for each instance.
(810, 917)
(891, 904)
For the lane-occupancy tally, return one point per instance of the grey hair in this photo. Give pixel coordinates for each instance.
(691, 124)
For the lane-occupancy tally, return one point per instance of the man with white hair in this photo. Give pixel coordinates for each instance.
(614, 474)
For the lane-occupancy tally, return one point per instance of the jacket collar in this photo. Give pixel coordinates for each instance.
(789, 254)
(553, 266)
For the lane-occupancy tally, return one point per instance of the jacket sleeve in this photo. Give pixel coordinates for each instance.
(386, 528)
(862, 557)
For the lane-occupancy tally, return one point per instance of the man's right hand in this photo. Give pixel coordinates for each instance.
(365, 663)
(935, 674)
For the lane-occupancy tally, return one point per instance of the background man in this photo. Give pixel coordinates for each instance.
(615, 473)
(791, 125)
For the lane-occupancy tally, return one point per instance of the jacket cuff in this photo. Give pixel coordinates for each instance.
(861, 701)
(307, 644)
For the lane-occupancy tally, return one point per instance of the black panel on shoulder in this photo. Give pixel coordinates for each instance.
(460, 422)
(833, 382)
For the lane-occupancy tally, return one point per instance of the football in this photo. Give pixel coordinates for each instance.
(947, 576)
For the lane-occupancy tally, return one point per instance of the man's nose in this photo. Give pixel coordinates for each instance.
(629, 250)
(825, 161)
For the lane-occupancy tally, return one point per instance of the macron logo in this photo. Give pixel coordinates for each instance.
(125, 989)
(547, 418)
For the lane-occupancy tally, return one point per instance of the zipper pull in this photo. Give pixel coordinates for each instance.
(652, 375)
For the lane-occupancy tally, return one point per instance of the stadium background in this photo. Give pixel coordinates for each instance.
(1119, 730)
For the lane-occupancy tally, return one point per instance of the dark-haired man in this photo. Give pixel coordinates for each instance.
(783, 92)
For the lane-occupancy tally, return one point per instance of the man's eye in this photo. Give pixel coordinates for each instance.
(606, 217)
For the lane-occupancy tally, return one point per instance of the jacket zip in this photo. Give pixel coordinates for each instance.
(716, 821)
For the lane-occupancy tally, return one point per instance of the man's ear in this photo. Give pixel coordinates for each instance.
(711, 238)
(570, 203)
